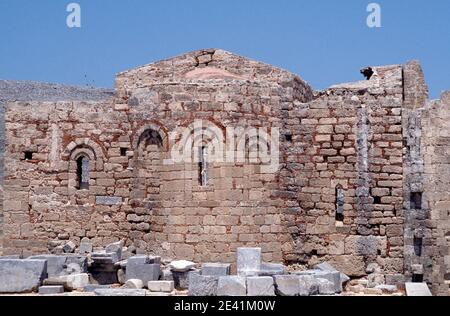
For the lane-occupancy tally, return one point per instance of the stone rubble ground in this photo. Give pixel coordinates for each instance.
(115, 272)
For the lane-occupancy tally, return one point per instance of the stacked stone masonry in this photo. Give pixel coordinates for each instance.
(356, 160)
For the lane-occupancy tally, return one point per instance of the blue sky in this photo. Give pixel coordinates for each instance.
(323, 41)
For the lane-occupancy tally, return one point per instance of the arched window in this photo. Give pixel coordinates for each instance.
(203, 166)
(340, 200)
(83, 173)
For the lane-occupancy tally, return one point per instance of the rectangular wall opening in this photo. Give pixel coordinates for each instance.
(416, 200)
(417, 278)
(418, 245)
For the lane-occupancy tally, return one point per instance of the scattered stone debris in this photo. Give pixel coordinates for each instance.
(106, 273)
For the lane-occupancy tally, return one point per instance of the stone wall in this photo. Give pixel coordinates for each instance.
(350, 139)
(37, 91)
(436, 152)
(362, 181)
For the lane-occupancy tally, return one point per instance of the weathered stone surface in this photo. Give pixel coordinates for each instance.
(248, 261)
(325, 266)
(216, 269)
(326, 287)
(108, 200)
(332, 276)
(181, 266)
(161, 286)
(85, 248)
(308, 285)
(133, 284)
(120, 292)
(115, 248)
(271, 269)
(232, 286)
(181, 279)
(387, 289)
(69, 247)
(21, 276)
(202, 285)
(64, 265)
(51, 290)
(144, 272)
(260, 286)
(92, 287)
(417, 289)
(287, 285)
(70, 282)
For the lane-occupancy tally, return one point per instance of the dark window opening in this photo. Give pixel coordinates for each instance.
(83, 173)
(203, 166)
(377, 200)
(28, 155)
(417, 278)
(288, 137)
(447, 277)
(123, 152)
(416, 200)
(340, 201)
(379, 252)
(418, 245)
(314, 252)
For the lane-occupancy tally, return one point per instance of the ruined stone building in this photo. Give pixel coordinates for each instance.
(361, 180)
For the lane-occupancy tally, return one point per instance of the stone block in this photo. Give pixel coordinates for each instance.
(92, 287)
(232, 286)
(120, 292)
(216, 269)
(134, 284)
(325, 266)
(145, 272)
(417, 289)
(248, 261)
(326, 287)
(64, 265)
(181, 279)
(161, 286)
(115, 248)
(21, 276)
(332, 276)
(70, 282)
(108, 200)
(51, 290)
(287, 285)
(260, 286)
(181, 266)
(86, 247)
(387, 289)
(69, 247)
(202, 285)
(308, 285)
(271, 269)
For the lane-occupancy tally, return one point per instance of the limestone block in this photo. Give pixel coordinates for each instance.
(181, 266)
(202, 285)
(287, 285)
(271, 269)
(248, 261)
(144, 272)
(21, 276)
(51, 290)
(120, 292)
(260, 286)
(133, 284)
(417, 289)
(326, 287)
(216, 269)
(161, 286)
(232, 286)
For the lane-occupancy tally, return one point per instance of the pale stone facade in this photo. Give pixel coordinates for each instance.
(356, 160)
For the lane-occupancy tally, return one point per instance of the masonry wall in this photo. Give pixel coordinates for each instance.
(349, 137)
(436, 149)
